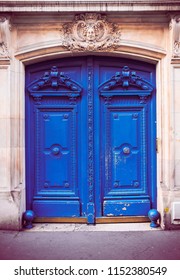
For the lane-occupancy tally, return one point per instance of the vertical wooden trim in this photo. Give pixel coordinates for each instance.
(90, 206)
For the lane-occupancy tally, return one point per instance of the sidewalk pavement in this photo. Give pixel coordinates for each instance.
(83, 242)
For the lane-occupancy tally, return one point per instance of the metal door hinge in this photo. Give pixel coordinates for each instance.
(158, 145)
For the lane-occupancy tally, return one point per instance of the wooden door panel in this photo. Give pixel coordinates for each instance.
(127, 139)
(125, 150)
(56, 151)
(54, 145)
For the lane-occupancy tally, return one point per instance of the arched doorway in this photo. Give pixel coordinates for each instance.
(91, 138)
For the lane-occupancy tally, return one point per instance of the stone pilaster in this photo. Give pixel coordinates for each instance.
(10, 124)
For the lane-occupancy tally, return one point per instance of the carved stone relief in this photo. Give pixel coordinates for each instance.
(4, 37)
(90, 32)
(176, 37)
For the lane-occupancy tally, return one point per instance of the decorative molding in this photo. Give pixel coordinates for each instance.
(55, 82)
(90, 134)
(143, 99)
(145, 6)
(176, 51)
(37, 100)
(91, 32)
(108, 164)
(4, 37)
(144, 149)
(128, 82)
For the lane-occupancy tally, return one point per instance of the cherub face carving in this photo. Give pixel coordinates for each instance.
(91, 35)
(91, 31)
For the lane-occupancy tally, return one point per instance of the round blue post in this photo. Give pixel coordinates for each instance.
(153, 215)
(28, 218)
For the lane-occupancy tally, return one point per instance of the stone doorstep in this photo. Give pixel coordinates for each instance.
(42, 227)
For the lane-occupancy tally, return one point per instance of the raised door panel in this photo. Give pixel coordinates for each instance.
(56, 150)
(125, 151)
(125, 185)
(56, 185)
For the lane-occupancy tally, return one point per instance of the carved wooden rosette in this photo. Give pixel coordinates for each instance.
(90, 32)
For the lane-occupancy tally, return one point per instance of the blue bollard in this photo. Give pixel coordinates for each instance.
(28, 218)
(153, 215)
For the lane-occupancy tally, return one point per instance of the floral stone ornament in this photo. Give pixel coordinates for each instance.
(91, 32)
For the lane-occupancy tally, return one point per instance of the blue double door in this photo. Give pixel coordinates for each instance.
(90, 138)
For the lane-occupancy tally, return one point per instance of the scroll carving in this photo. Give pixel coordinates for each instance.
(4, 37)
(91, 32)
(126, 80)
(54, 81)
